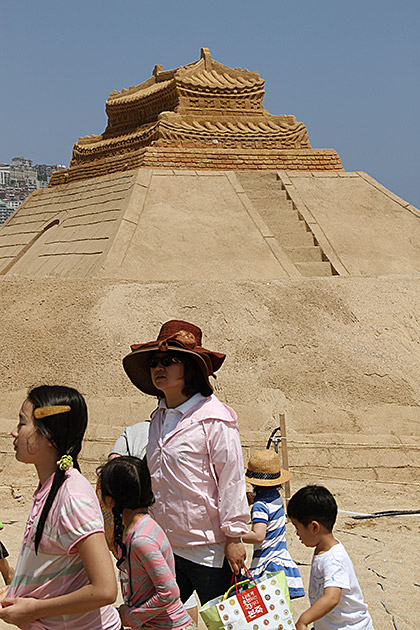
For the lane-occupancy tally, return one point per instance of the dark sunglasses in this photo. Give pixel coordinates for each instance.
(166, 360)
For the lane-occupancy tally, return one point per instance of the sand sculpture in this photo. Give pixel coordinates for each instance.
(313, 240)
(201, 116)
(195, 203)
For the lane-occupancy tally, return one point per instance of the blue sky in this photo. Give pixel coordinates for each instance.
(350, 70)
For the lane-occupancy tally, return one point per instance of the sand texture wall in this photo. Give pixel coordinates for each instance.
(309, 283)
(153, 225)
(340, 356)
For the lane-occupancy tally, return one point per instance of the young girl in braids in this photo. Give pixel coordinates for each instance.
(146, 563)
(64, 576)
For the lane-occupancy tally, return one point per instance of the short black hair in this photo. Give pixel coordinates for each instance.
(313, 503)
(258, 489)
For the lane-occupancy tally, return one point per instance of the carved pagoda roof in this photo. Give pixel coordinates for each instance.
(202, 105)
(203, 76)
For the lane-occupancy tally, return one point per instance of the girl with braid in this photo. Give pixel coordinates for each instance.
(146, 562)
(64, 576)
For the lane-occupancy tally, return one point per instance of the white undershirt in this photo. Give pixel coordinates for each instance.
(213, 554)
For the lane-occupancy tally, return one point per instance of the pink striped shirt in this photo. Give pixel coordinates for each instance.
(57, 568)
(147, 578)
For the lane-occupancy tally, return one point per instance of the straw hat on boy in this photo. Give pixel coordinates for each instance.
(264, 469)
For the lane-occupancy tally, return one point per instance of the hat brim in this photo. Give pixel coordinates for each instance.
(285, 475)
(138, 371)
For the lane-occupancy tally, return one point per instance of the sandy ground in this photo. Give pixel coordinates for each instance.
(384, 550)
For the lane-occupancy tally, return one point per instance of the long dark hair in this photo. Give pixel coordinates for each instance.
(64, 431)
(127, 481)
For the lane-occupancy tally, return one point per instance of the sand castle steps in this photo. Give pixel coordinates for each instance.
(291, 231)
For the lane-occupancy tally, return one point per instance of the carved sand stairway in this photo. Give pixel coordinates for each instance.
(291, 231)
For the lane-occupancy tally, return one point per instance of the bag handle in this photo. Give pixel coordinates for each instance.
(235, 586)
(249, 579)
(249, 576)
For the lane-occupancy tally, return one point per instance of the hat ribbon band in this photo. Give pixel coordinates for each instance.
(258, 475)
(183, 337)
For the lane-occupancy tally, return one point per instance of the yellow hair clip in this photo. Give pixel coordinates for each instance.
(43, 412)
(65, 462)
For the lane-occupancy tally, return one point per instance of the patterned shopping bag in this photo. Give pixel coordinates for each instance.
(265, 605)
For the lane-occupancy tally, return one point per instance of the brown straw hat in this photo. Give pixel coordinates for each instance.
(264, 469)
(176, 336)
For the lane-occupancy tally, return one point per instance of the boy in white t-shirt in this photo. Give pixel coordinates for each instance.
(334, 592)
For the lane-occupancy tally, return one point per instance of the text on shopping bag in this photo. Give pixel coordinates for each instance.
(268, 610)
(252, 604)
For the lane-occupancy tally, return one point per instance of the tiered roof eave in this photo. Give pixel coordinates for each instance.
(200, 106)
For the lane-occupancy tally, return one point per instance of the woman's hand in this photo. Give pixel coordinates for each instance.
(235, 553)
(19, 611)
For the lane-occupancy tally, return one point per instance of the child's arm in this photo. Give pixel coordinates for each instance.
(320, 608)
(101, 590)
(6, 571)
(256, 535)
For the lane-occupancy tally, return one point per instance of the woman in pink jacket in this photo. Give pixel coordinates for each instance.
(194, 457)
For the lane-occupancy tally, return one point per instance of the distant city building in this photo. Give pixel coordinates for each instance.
(22, 171)
(5, 211)
(19, 179)
(4, 173)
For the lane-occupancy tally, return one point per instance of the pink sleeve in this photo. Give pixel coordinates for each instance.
(227, 464)
(80, 516)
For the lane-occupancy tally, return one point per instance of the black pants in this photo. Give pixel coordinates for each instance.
(208, 582)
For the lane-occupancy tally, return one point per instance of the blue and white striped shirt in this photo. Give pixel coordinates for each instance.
(272, 554)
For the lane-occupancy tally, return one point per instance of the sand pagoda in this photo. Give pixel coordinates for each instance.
(197, 203)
